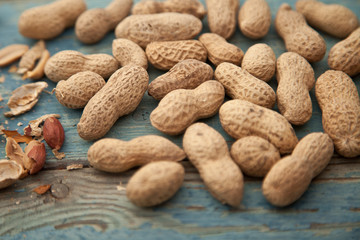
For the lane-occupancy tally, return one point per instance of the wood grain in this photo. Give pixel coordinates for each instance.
(95, 209)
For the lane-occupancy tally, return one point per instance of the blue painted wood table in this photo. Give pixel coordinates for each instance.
(92, 206)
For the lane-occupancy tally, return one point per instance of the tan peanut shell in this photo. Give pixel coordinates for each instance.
(50, 20)
(290, 177)
(181, 107)
(241, 118)
(127, 52)
(28, 60)
(10, 172)
(187, 74)
(165, 54)
(115, 155)
(219, 50)
(339, 101)
(120, 96)
(254, 18)
(76, 91)
(222, 16)
(295, 78)
(193, 7)
(11, 53)
(260, 61)
(239, 84)
(155, 183)
(297, 35)
(208, 152)
(254, 155)
(334, 19)
(66, 63)
(345, 55)
(93, 24)
(147, 28)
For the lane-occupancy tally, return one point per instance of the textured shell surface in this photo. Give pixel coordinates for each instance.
(115, 155)
(180, 108)
(241, 118)
(147, 28)
(120, 96)
(187, 74)
(239, 84)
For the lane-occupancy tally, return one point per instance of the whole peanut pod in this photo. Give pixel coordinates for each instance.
(92, 25)
(241, 118)
(76, 91)
(334, 19)
(254, 155)
(187, 74)
(345, 55)
(115, 155)
(127, 52)
(166, 54)
(260, 61)
(298, 36)
(295, 78)
(339, 101)
(155, 183)
(66, 63)
(239, 84)
(120, 96)
(193, 7)
(181, 107)
(49, 21)
(255, 18)
(208, 152)
(222, 16)
(219, 50)
(290, 177)
(147, 28)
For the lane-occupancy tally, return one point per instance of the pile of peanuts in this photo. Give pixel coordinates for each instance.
(162, 34)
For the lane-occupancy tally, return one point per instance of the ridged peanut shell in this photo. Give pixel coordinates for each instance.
(219, 50)
(254, 18)
(208, 152)
(127, 52)
(297, 35)
(290, 177)
(93, 24)
(187, 74)
(115, 155)
(193, 7)
(155, 183)
(165, 54)
(334, 19)
(147, 28)
(239, 84)
(66, 63)
(254, 155)
(181, 107)
(260, 61)
(50, 20)
(76, 91)
(120, 96)
(339, 101)
(345, 55)
(222, 16)
(241, 118)
(295, 78)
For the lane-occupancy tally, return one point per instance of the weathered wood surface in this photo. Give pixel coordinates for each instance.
(94, 208)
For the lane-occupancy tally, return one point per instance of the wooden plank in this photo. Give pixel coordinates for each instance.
(93, 199)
